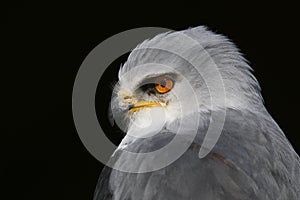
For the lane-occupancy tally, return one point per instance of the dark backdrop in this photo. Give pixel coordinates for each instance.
(44, 45)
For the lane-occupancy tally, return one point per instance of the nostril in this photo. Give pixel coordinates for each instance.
(130, 106)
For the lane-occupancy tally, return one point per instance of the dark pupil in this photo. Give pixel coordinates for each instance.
(163, 83)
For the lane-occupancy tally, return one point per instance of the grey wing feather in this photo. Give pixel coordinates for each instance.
(102, 190)
(252, 160)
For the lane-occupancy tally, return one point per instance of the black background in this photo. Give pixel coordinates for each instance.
(44, 45)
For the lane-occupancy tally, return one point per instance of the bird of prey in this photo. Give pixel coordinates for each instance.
(171, 86)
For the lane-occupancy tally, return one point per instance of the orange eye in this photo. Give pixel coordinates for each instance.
(163, 84)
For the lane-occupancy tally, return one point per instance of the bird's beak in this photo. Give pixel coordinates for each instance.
(143, 104)
(134, 105)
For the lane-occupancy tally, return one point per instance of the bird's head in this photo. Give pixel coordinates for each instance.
(177, 74)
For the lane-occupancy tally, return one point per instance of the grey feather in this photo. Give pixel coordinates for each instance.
(263, 166)
(251, 160)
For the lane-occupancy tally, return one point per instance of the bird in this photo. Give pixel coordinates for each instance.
(175, 85)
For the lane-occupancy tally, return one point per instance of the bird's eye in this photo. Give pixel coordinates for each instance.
(163, 84)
